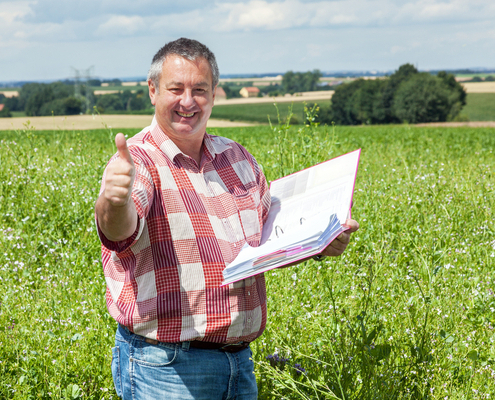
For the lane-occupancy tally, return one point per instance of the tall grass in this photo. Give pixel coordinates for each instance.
(407, 312)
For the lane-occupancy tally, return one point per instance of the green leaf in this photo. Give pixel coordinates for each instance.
(473, 355)
(371, 336)
(77, 336)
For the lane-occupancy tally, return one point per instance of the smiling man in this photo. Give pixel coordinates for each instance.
(176, 206)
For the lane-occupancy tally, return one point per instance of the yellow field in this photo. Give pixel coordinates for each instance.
(70, 122)
(479, 87)
(9, 93)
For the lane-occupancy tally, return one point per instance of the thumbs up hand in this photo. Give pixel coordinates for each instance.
(120, 175)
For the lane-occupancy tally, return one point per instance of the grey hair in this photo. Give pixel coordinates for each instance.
(187, 48)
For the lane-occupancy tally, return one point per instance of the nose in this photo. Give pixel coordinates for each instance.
(187, 99)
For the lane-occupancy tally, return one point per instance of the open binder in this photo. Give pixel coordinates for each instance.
(308, 211)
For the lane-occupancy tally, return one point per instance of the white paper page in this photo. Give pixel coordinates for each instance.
(307, 232)
(323, 188)
(293, 213)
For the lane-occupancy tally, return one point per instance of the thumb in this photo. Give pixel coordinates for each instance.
(121, 144)
(352, 225)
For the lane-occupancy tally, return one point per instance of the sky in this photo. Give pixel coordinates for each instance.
(46, 39)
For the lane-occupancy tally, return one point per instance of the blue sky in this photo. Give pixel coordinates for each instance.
(43, 39)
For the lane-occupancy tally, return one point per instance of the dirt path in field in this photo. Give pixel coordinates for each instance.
(472, 124)
(69, 122)
(303, 96)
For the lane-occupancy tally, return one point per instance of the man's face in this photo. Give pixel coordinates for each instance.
(185, 98)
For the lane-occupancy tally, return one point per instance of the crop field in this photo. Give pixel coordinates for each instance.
(480, 107)
(479, 87)
(260, 112)
(408, 312)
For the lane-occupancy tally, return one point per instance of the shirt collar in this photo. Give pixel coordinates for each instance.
(212, 144)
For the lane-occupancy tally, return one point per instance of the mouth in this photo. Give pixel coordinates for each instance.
(185, 115)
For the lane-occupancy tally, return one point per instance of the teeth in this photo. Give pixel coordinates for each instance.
(185, 115)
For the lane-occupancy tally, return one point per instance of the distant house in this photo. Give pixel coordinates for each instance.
(249, 91)
(220, 93)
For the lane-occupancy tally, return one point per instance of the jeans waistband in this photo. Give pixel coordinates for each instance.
(196, 344)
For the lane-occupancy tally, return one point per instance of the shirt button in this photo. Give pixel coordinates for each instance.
(249, 293)
(249, 319)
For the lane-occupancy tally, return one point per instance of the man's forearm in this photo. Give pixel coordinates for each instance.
(116, 222)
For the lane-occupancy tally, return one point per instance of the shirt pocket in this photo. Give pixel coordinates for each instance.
(248, 204)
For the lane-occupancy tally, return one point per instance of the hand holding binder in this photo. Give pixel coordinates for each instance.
(308, 211)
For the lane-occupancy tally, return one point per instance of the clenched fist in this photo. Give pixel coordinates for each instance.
(120, 175)
(115, 210)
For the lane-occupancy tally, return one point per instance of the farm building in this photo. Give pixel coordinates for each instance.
(220, 93)
(251, 91)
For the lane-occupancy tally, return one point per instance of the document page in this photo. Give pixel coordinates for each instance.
(307, 212)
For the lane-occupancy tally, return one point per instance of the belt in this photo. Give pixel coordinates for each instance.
(198, 344)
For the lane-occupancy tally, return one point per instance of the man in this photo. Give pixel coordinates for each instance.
(176, 207)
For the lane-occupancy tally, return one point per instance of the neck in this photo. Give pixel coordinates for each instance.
(191, 148)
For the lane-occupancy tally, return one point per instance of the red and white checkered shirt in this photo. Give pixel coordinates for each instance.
(164, 281)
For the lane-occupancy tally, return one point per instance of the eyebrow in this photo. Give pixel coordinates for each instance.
(202, 84)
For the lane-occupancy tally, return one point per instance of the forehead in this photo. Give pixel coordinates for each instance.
(177, 68)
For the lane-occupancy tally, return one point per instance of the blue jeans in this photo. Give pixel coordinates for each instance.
(143, 371)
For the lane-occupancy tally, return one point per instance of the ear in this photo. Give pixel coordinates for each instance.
(214, 91)
(152, 91)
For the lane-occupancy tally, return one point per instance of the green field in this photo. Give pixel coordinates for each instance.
(261, 112)
(480, 107)
(407, 313)
(119, 88)
(481, 75)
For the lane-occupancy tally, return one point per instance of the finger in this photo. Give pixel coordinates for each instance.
(344, 238)
(352, 225)
(121, 144)
(334, 249)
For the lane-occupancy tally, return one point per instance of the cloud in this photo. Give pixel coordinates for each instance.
(248, 35)
(128, 17)
(121, 25)
(11, 11)
(57, 11)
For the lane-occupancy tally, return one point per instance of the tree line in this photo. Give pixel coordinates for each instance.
(59, 98)
(406, 96)
(292, 82)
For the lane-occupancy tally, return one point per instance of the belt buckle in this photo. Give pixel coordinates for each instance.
(234, 347)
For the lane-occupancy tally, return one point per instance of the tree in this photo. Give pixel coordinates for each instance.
(301, 81)
(423, 98)
(5, 112)
(137, 101)
(13, 103)
(46, 99)
(230, 92)
(457, 96)
(37, 96)
(358, 102)
(110, 102)
(94, 82)
(406, 96)
(405, 72)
